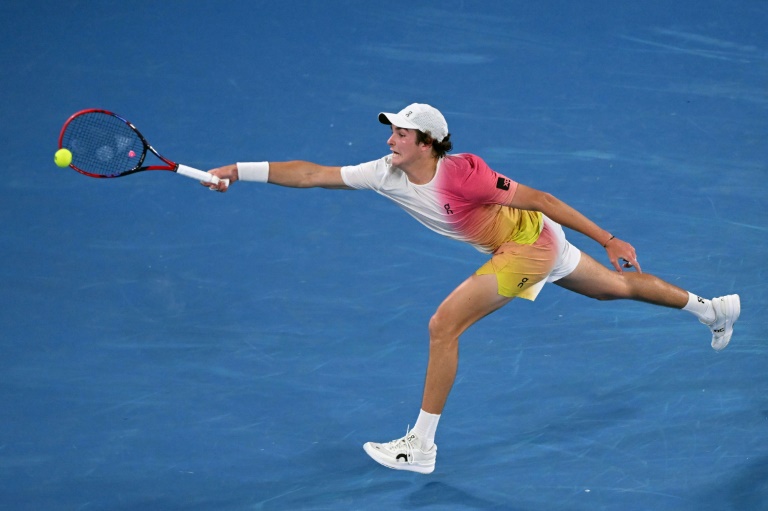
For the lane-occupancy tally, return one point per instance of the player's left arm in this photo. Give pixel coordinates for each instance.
(531, 199)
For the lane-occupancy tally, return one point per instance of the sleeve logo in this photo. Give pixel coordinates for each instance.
(503, 183)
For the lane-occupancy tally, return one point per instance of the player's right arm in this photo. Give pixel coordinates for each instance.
(294, 174)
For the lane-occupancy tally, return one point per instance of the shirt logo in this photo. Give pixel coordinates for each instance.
(503, 183)
(448, 209)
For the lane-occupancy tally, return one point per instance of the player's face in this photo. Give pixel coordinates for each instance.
(405, 149)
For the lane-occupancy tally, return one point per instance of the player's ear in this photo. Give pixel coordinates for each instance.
(426, 144)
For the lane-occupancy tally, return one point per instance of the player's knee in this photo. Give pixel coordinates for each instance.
(442, 331)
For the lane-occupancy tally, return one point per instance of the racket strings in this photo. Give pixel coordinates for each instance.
(103, 144)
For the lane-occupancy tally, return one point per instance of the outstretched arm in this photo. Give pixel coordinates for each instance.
(295, 174)
(534, 200)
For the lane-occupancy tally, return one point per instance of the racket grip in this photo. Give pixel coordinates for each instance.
(205, 177)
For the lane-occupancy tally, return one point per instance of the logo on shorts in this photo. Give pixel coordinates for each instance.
(503, 183)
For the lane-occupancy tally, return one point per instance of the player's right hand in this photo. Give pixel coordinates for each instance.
(226, 174)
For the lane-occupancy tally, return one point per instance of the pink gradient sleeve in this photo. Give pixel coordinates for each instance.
(478, 182)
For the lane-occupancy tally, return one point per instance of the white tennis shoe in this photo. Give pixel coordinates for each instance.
(404, 454)
(727, 310)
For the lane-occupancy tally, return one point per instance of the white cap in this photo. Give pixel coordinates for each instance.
(418, 116)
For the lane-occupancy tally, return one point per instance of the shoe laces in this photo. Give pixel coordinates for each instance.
(404, 443)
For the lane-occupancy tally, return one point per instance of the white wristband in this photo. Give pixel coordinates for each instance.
(253, 171)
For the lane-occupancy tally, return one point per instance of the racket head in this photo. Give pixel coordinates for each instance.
(104, 145)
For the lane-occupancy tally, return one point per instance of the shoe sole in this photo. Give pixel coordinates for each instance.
(411, 467)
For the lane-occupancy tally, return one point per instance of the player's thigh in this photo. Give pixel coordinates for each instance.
(472, 300)
(594, 280)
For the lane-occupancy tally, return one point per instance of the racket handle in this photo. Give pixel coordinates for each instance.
(205, 177)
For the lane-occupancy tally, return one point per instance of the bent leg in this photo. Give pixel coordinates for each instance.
(474, 299)
(594, 280)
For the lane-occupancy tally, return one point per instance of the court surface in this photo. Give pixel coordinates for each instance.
(167, 348)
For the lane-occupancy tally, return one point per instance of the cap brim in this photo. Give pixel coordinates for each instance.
(396, 120)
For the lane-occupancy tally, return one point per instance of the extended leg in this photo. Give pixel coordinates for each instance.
(474, 299)
(594, 280)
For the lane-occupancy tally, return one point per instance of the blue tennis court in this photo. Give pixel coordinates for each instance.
(168, 348)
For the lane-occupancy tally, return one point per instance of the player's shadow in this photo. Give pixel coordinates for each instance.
(440, 494)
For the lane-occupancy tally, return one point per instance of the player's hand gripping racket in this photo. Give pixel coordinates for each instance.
(104, 144)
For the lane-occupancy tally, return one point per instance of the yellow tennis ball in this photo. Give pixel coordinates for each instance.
(62, 158)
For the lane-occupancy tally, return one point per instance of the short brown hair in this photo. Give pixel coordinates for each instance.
(438, 148)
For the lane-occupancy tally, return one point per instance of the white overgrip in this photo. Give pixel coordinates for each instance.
(197, 174)
(200, 175)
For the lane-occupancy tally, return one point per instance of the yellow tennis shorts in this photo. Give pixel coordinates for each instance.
(522, 270)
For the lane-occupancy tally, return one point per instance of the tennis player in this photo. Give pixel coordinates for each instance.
(461, 197)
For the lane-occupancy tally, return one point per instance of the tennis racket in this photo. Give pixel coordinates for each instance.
(105, 145)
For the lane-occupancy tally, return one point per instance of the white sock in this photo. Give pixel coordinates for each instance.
(425, 428)
(701, 308)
